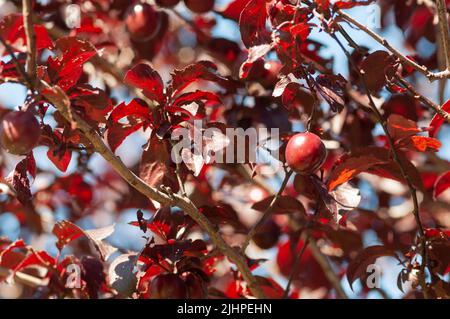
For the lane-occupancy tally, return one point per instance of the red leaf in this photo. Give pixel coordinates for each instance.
(233, 9)
(425, 144)
(38, 258)
(254, 54)
(350, 166)
(173, 251)
(284, 205)
(43, 40)
(68, 67)
(191, 97)
(373, 160)
(61, 158)
(322, 5)
(332, 88)
(438, 120)
(442, 184)
(347, 4)
(252, 23)
(117, 133)
(440, 253)
(294, 97)
(19, 179)
(400, 127)
(156, 165)
(12, 30)
(9, 258)
(136, 108)
(93, 101)
(377, 67)
(31, 165)
(223, 214)
(66, 232)
(202, 70)
(358, 266)
(403, 132)
(10, 27)
(144, 77)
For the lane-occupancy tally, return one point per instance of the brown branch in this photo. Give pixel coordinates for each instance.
(423, 98)
(31, 41)
(267, 213)
(22, 278)
(443, 31)
(327, 269)
(180, 201)
(420, 68)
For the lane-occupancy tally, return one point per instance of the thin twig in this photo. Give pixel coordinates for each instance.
(421, 68)
(423, 98)
(31, 41)
(327, 269)
(22, 278)
(267, 213)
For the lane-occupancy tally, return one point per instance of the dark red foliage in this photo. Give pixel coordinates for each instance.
(138, 107)
(168, 286)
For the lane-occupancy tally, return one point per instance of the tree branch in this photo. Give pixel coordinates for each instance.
(444, 33)
(22, 278)
(180, 201)
(327, 269)
(31, 41)
(420, 68)
(423, 98)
